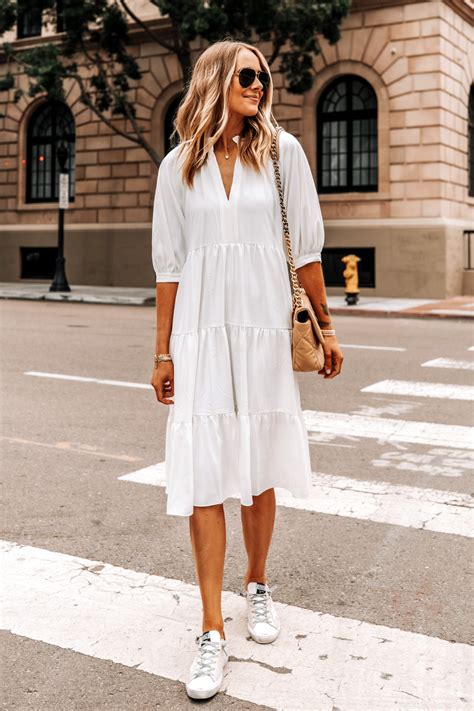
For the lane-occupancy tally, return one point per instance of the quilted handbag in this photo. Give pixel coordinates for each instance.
(307, 341)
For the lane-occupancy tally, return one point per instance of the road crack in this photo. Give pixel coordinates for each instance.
(277, 670)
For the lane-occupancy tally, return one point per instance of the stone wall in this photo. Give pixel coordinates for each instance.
(419, 58)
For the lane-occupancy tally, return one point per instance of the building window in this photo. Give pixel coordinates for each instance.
(347, 137)
(60, 20)
(51, 124)
(171, 142)
(29, 19)
(471, 143)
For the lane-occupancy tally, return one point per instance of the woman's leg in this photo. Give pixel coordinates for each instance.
(257, 525)
(208, 540)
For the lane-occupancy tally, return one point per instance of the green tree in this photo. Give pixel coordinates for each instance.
(93, 49)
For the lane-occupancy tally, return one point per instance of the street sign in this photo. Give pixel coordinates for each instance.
(63, 190)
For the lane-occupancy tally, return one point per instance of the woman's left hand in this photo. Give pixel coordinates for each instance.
(333, 358)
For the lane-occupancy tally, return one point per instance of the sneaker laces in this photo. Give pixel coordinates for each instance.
(260, 607)
(207, 657)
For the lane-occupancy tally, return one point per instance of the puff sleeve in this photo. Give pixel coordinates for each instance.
(302, 203)
(168, 224)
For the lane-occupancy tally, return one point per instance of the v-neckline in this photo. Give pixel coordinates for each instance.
(219, 175)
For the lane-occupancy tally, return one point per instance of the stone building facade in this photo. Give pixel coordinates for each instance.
(387, 130)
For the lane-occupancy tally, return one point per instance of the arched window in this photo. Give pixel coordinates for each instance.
(347, 137)
(471, 143)
(51, 124)
(169, 123)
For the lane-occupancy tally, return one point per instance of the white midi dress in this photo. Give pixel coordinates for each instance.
(236, 426)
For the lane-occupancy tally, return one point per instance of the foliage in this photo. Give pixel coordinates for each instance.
(94, 48)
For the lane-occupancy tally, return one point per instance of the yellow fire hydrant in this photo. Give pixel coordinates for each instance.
(351, 275)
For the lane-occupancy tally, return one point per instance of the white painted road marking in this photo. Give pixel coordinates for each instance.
(374, 348)
(334, 423)
(72, 447)
(392, 387)
(389, 429)
(83, 379)
(421, 389)
(148, 622)
(449, 363)
(434, 462)
(408, 506)
(393, 408)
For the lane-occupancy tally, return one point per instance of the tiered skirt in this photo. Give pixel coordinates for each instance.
(236, 427)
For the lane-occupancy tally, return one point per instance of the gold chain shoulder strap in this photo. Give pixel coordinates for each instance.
(295, 285)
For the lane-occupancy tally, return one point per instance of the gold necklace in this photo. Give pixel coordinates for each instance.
(226, 154)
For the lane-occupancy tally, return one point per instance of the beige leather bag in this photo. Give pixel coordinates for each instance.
(307, 340)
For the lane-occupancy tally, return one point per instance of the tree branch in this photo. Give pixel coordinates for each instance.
(138, 140)
(145, 27)
(278, 43)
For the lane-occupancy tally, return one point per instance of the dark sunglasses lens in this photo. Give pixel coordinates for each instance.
(247, 78)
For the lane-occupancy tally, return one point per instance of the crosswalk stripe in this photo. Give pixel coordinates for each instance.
(421, 389)
(449, 363)
(389, 429)
(380, 502)
(372, 348)
(148, 622)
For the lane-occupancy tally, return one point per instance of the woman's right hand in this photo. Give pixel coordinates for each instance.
(162, 380)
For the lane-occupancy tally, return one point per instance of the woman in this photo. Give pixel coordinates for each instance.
(223, 346)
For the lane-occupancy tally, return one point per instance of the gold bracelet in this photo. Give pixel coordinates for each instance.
(162, 357)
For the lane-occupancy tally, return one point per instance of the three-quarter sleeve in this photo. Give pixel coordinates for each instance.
(168, 233)
(305, 220)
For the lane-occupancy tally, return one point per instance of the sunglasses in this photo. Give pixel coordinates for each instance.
(247, 77)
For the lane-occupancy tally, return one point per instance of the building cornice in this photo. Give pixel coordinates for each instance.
(136, 34)
(464, 8)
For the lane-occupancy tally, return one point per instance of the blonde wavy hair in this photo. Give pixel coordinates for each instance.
(204, 111)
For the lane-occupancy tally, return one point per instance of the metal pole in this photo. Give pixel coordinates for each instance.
(60, 281)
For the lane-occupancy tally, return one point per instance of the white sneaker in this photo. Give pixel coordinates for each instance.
(207, 669)
(263, 622)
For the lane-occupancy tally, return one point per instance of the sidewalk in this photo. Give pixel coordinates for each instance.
(455, 307)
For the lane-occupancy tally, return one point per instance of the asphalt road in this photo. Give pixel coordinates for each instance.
(384, 544)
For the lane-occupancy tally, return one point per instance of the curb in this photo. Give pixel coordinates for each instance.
(150, 301)
(336, 311)
(84, 299)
